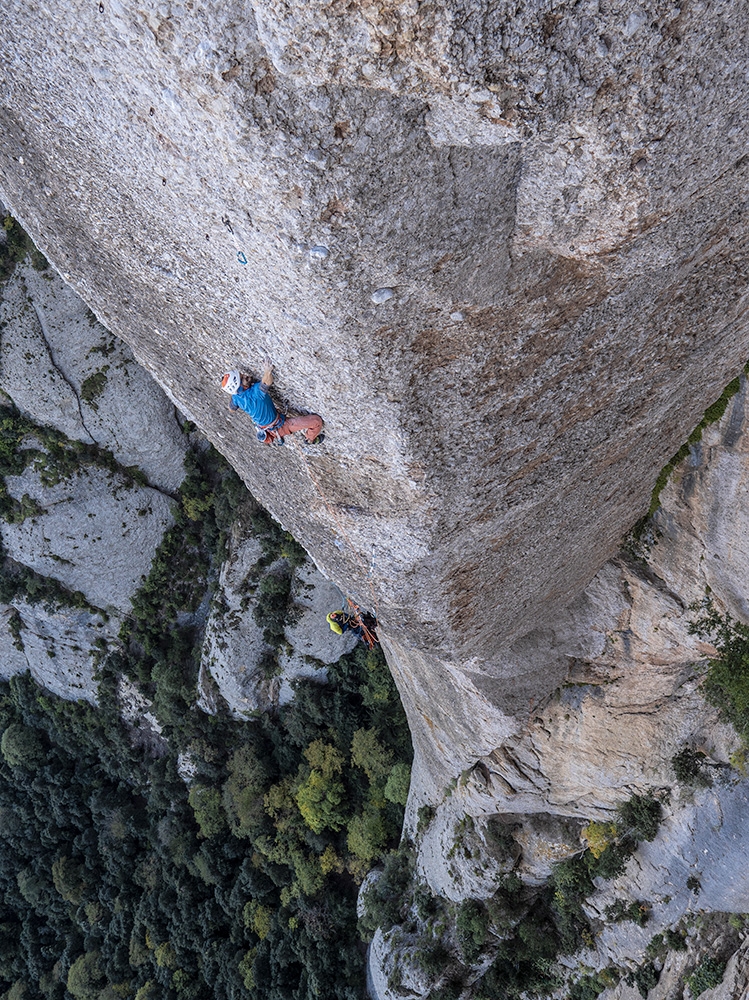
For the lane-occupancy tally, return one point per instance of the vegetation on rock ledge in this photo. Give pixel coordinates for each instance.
(508, 946)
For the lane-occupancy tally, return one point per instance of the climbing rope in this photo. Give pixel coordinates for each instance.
(369, 637)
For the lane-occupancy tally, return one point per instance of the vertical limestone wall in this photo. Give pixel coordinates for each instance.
(502, 250)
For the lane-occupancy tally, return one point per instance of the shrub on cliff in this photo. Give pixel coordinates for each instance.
(386, 898)
(16, 247)
(471, 927)
(689, 767)
(640, 817)
(707, 976)
(726, 684)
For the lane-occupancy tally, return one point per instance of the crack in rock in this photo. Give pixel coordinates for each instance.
(60, 372)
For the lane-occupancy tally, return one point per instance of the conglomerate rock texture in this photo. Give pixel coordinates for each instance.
(500, 247)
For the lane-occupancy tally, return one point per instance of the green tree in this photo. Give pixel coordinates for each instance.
(206, 805)
(471, 927)
(707, 976)
(641, 816)
(85, 977)
(242, 793)
(258, 918)
(33, 887)
(368, 753)
(165, 955)
(320, 794)
(398, 784)
(68, 878)
(367, 836)
(21, 746)
(320, 799)
(17, 991)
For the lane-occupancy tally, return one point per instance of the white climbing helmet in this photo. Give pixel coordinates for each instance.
(231, 382)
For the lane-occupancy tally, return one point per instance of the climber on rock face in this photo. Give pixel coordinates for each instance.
(255, 399)
(363, 625)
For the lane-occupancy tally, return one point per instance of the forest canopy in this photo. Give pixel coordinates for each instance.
(121, 877)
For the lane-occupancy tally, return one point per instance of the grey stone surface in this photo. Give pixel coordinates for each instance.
(703, 528)
(145, 728)
(62, 368)
(570, 179)
(98, 532)
(629, 699)
(234, 644)
(392, 955)
(706, 839)
(308, 634)
(57, 644)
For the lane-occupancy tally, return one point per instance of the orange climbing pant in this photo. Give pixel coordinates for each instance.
(310, 423)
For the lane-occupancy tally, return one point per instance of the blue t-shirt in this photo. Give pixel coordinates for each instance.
(257, 402)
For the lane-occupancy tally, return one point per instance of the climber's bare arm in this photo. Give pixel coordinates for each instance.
(267, 378)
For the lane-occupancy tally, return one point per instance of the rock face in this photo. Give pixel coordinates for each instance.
(233, 648)
(501, 249)
(630, 694)
(58, 645)
(62, 368)
(95, 532)
(89, 522)
(631, 699)
(81, 520)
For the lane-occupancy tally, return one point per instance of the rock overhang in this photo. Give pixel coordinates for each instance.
(568, 273)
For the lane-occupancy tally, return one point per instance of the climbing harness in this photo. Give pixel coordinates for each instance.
(352, 620)
(266, 430)
(368, 635)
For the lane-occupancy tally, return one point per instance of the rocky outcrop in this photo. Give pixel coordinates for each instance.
(60, 646)
(87, 520)
(95, 531)
(233, 650)
(502, 250)
(629, 695)
(631, 698)
(61, 367)
(84, 522)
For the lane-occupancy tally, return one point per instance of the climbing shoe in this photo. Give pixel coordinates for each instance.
(319, 439)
